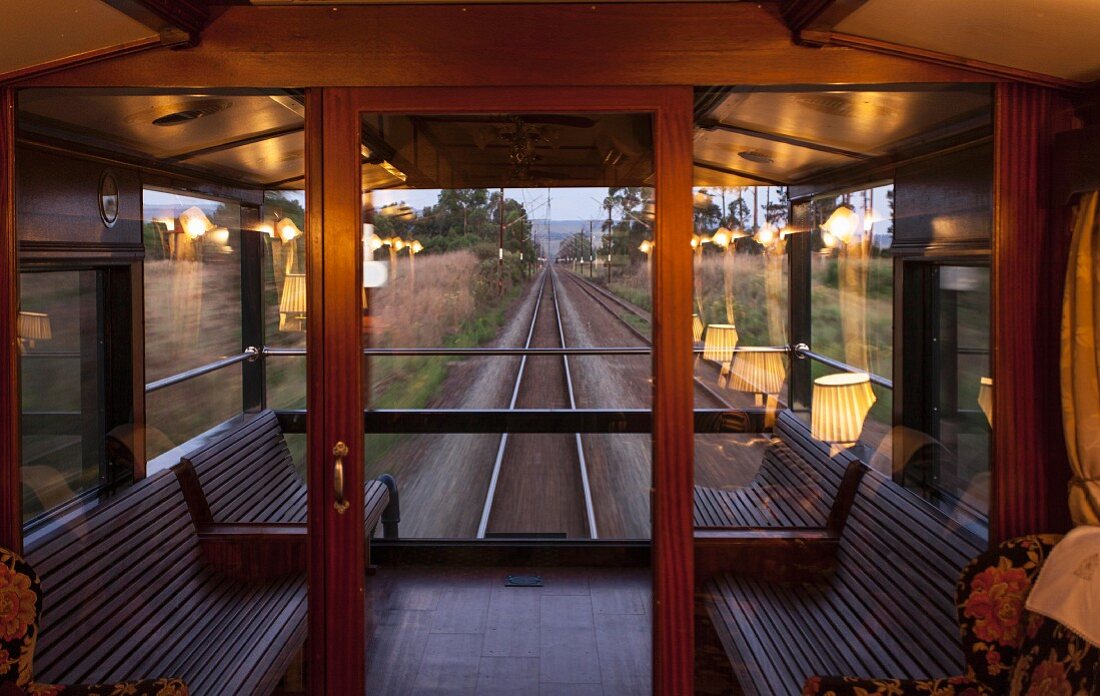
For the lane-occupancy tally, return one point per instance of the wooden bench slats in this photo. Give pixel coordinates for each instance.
(887, 611)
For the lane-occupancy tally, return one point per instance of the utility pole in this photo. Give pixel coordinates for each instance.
(500, 248)
(591, 249)
(609, 240)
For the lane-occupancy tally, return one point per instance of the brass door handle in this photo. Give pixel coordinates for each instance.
(341, 504)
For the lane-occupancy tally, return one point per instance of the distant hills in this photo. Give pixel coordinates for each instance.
(560, 230)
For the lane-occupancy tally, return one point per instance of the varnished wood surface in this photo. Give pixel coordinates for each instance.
(993, 71)
(887, 610)
(335, 280)
(1030, 250)
(559, 44)
(673, 399)
(11, 509)
(460, 631)
(127, 595)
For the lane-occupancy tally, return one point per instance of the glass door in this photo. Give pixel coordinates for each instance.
(426, 256)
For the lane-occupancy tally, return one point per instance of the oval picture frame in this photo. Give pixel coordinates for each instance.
(108, 198)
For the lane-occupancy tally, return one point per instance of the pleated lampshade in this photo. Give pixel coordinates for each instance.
(34, 326)
(721, 339)
(840, 405)
(292, 303)
(696, 328)
(757, 370)
(985, 398)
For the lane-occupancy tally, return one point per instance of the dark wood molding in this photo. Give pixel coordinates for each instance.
(803, 14)
(80, 59)
(1031, 236)
(11, 508)
(255, 552)
(737, 172)
(769, 554)
(636, 44)
(1002, 73)
(780, 138)
(178, 22)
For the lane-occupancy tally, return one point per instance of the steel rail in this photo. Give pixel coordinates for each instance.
(801, 351)
(486, 509)
(589, 509)
(586, 284)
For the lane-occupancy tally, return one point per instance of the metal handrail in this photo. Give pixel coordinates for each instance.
(250, 353)
(803, 351)
(444, 352)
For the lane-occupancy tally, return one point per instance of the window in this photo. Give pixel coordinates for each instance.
(192, 313)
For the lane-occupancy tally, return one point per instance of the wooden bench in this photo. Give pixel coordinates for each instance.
(785, 523)
(248, 501)
(130, 592)
(885, 606)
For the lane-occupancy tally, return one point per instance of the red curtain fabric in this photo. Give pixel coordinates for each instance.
(1030, 468)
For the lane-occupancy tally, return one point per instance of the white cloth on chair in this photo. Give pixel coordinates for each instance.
(1068, 587)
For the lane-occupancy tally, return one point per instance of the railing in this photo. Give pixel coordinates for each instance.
(250, 353)
(803, 351)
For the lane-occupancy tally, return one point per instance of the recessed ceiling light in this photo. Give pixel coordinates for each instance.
(178, 112)
(756, 156)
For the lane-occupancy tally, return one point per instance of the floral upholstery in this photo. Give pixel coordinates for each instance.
(20, 599)
(1008, 650)
(20, 606)
(835, 686)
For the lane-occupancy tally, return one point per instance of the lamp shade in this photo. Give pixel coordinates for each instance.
(195, 223)
(34, 326)
(840, 405)
(287, 230)
(721, 339)
(985, 398)
(292, 303)
(757, 370)
(842, 224)
(696, 328)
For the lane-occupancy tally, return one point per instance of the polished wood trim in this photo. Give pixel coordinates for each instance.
(673, 396)
(990, 70)
(803, 14)
(1030, 467)
(80, 59)
(501, 44)
(178, 22)
(11, 508)
(317, 461)
(738, 172)
(767, 554)
(335, 279)
(254, 552)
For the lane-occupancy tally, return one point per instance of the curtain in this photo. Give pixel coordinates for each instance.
(1080, 364)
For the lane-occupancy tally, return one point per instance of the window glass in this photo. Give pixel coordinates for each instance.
(192, 312)
(60, 336)
(852, 298)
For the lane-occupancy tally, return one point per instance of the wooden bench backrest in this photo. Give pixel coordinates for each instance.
(248, 474)
(902, 557)
(122, 565)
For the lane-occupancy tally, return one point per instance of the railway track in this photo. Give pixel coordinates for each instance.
(609, 301)
(530, 493)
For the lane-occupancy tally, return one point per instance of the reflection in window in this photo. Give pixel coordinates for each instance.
(192, 312)
(852, 294)
(60, 338)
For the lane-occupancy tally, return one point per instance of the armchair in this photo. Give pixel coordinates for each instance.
(1008, 650)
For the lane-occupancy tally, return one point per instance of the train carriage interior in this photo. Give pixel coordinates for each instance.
(768, 381)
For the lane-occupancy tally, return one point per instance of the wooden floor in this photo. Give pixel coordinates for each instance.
(444, 630)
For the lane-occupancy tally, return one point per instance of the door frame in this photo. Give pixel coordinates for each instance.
(337, 583)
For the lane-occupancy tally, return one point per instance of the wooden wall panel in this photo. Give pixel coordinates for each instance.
(482, 44)
(1030, 249)
(946, 201)
(11, 523)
